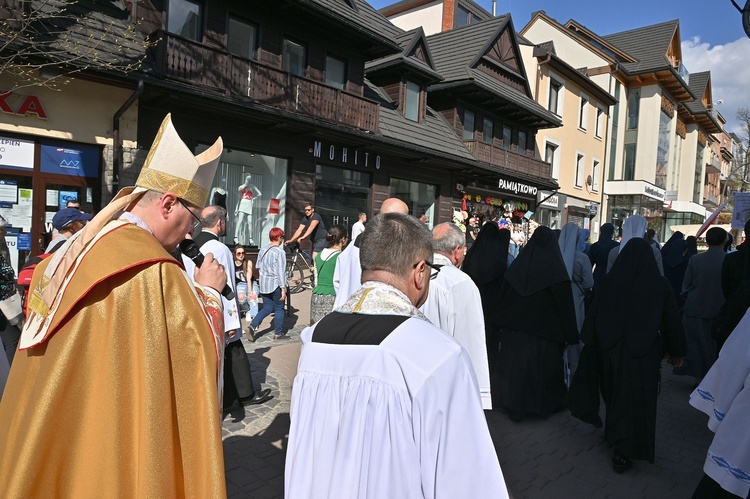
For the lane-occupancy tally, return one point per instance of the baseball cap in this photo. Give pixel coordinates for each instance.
(67, 216)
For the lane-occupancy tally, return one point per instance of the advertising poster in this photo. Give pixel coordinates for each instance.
(52, 199)
(66, 196)
(64, 158)
(741, 209)
(16, 153)
(8, 191)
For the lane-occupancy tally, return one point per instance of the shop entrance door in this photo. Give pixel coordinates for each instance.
(341, 195)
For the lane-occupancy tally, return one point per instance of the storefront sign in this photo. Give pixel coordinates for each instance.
(345, 155)
(21, 105)
(16, 153)
(550, 200)
(65, 158)
(634, 188)
(517, 187)
(654, 192)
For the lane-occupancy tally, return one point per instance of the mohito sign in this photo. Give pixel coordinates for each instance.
(21, 105)
(517, 187)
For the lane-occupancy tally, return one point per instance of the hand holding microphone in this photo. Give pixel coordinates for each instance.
(208, 271)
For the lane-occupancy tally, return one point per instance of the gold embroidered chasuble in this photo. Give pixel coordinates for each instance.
(124, 398)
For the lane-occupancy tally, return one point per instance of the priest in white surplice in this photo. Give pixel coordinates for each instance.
(454, 305)
(384, 404)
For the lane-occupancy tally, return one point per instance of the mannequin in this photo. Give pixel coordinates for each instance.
(219, 195)
(244, 212)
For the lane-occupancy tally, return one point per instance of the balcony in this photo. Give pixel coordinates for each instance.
(713, 166)
(218, 71)
(510, 160)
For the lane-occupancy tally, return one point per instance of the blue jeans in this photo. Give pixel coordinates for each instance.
(271, 303)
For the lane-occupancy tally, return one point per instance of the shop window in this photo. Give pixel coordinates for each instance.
(341, 194)
(411, 105)
(580, 170)
(555, 96)
(583, 112)
(184, 18)
(242, 38)
(335, 71)
(468, 124)
(419, 197)
(252, 188)
(507, 137)
(294, 57)
(487, 130)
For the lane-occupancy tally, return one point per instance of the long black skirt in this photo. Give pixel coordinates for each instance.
(531, 373)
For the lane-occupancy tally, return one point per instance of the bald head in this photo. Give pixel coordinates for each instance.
(394, 205)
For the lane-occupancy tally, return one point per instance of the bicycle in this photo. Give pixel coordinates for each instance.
(297, 264)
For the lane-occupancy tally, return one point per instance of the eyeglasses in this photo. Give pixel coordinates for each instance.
(240, 253)
(198, 220)
(433, 266)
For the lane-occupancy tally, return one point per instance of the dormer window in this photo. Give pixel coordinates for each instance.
(412, 101)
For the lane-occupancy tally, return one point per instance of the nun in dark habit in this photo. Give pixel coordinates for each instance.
(623, 352)
(675, 263)
(538, 321)
(486, 263)
(599, 252)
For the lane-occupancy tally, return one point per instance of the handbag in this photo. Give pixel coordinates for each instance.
(12, 309)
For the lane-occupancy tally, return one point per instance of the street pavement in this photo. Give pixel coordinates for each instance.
(557, 457)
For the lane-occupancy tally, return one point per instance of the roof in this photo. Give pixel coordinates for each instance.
(358, 15)
(697, 84)
(98, 35)
(434, 132)
(456, 53)
(649, 45)
(407, 40)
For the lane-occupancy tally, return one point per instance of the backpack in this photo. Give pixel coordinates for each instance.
(25, 275)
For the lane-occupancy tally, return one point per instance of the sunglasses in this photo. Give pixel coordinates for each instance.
(433, 266)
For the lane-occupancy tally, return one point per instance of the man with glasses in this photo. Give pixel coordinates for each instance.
(120, 359)
(238, 379)
(384, 403)
(314, 228)
(454, 304)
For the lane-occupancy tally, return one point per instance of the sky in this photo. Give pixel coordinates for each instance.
(711, 33)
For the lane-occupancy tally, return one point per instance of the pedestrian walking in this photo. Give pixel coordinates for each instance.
(324, 294)
(633, 320)
(271, 265)
(599, 252)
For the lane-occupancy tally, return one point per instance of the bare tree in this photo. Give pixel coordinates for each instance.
(45, 42)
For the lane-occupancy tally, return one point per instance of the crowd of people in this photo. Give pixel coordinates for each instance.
(412, 334)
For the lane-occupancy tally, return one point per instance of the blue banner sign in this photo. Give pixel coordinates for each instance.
(67, 158)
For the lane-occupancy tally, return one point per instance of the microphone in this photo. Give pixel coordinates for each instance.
(191, 250)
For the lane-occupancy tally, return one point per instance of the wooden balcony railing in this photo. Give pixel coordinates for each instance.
(219, 71)
(507, 159)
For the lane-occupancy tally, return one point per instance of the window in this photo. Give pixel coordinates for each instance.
(595, 176)
(583, 113)
(411, 106)
(551, 156)
(522, 142)
(613, 139)
(507, 137)
(629, 162)
(294, 57)
(468, 124)
(698, 182)
(463, 17)
(184, 18)
(335, 72)
(674, 170)
(242, 38)
(634, 97)
(488, 130)
(555, 88)
(662, 150)
(599, 126)
(580, 170)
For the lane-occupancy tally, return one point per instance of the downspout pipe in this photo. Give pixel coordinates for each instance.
(116, 143)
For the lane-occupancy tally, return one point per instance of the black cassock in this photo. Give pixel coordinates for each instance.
(633, 321)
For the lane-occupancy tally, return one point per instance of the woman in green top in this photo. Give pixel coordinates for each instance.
(323, 295)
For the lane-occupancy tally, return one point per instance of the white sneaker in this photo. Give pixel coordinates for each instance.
(248, 317)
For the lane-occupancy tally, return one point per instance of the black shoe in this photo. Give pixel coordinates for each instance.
(621, 464)
(257, 398)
